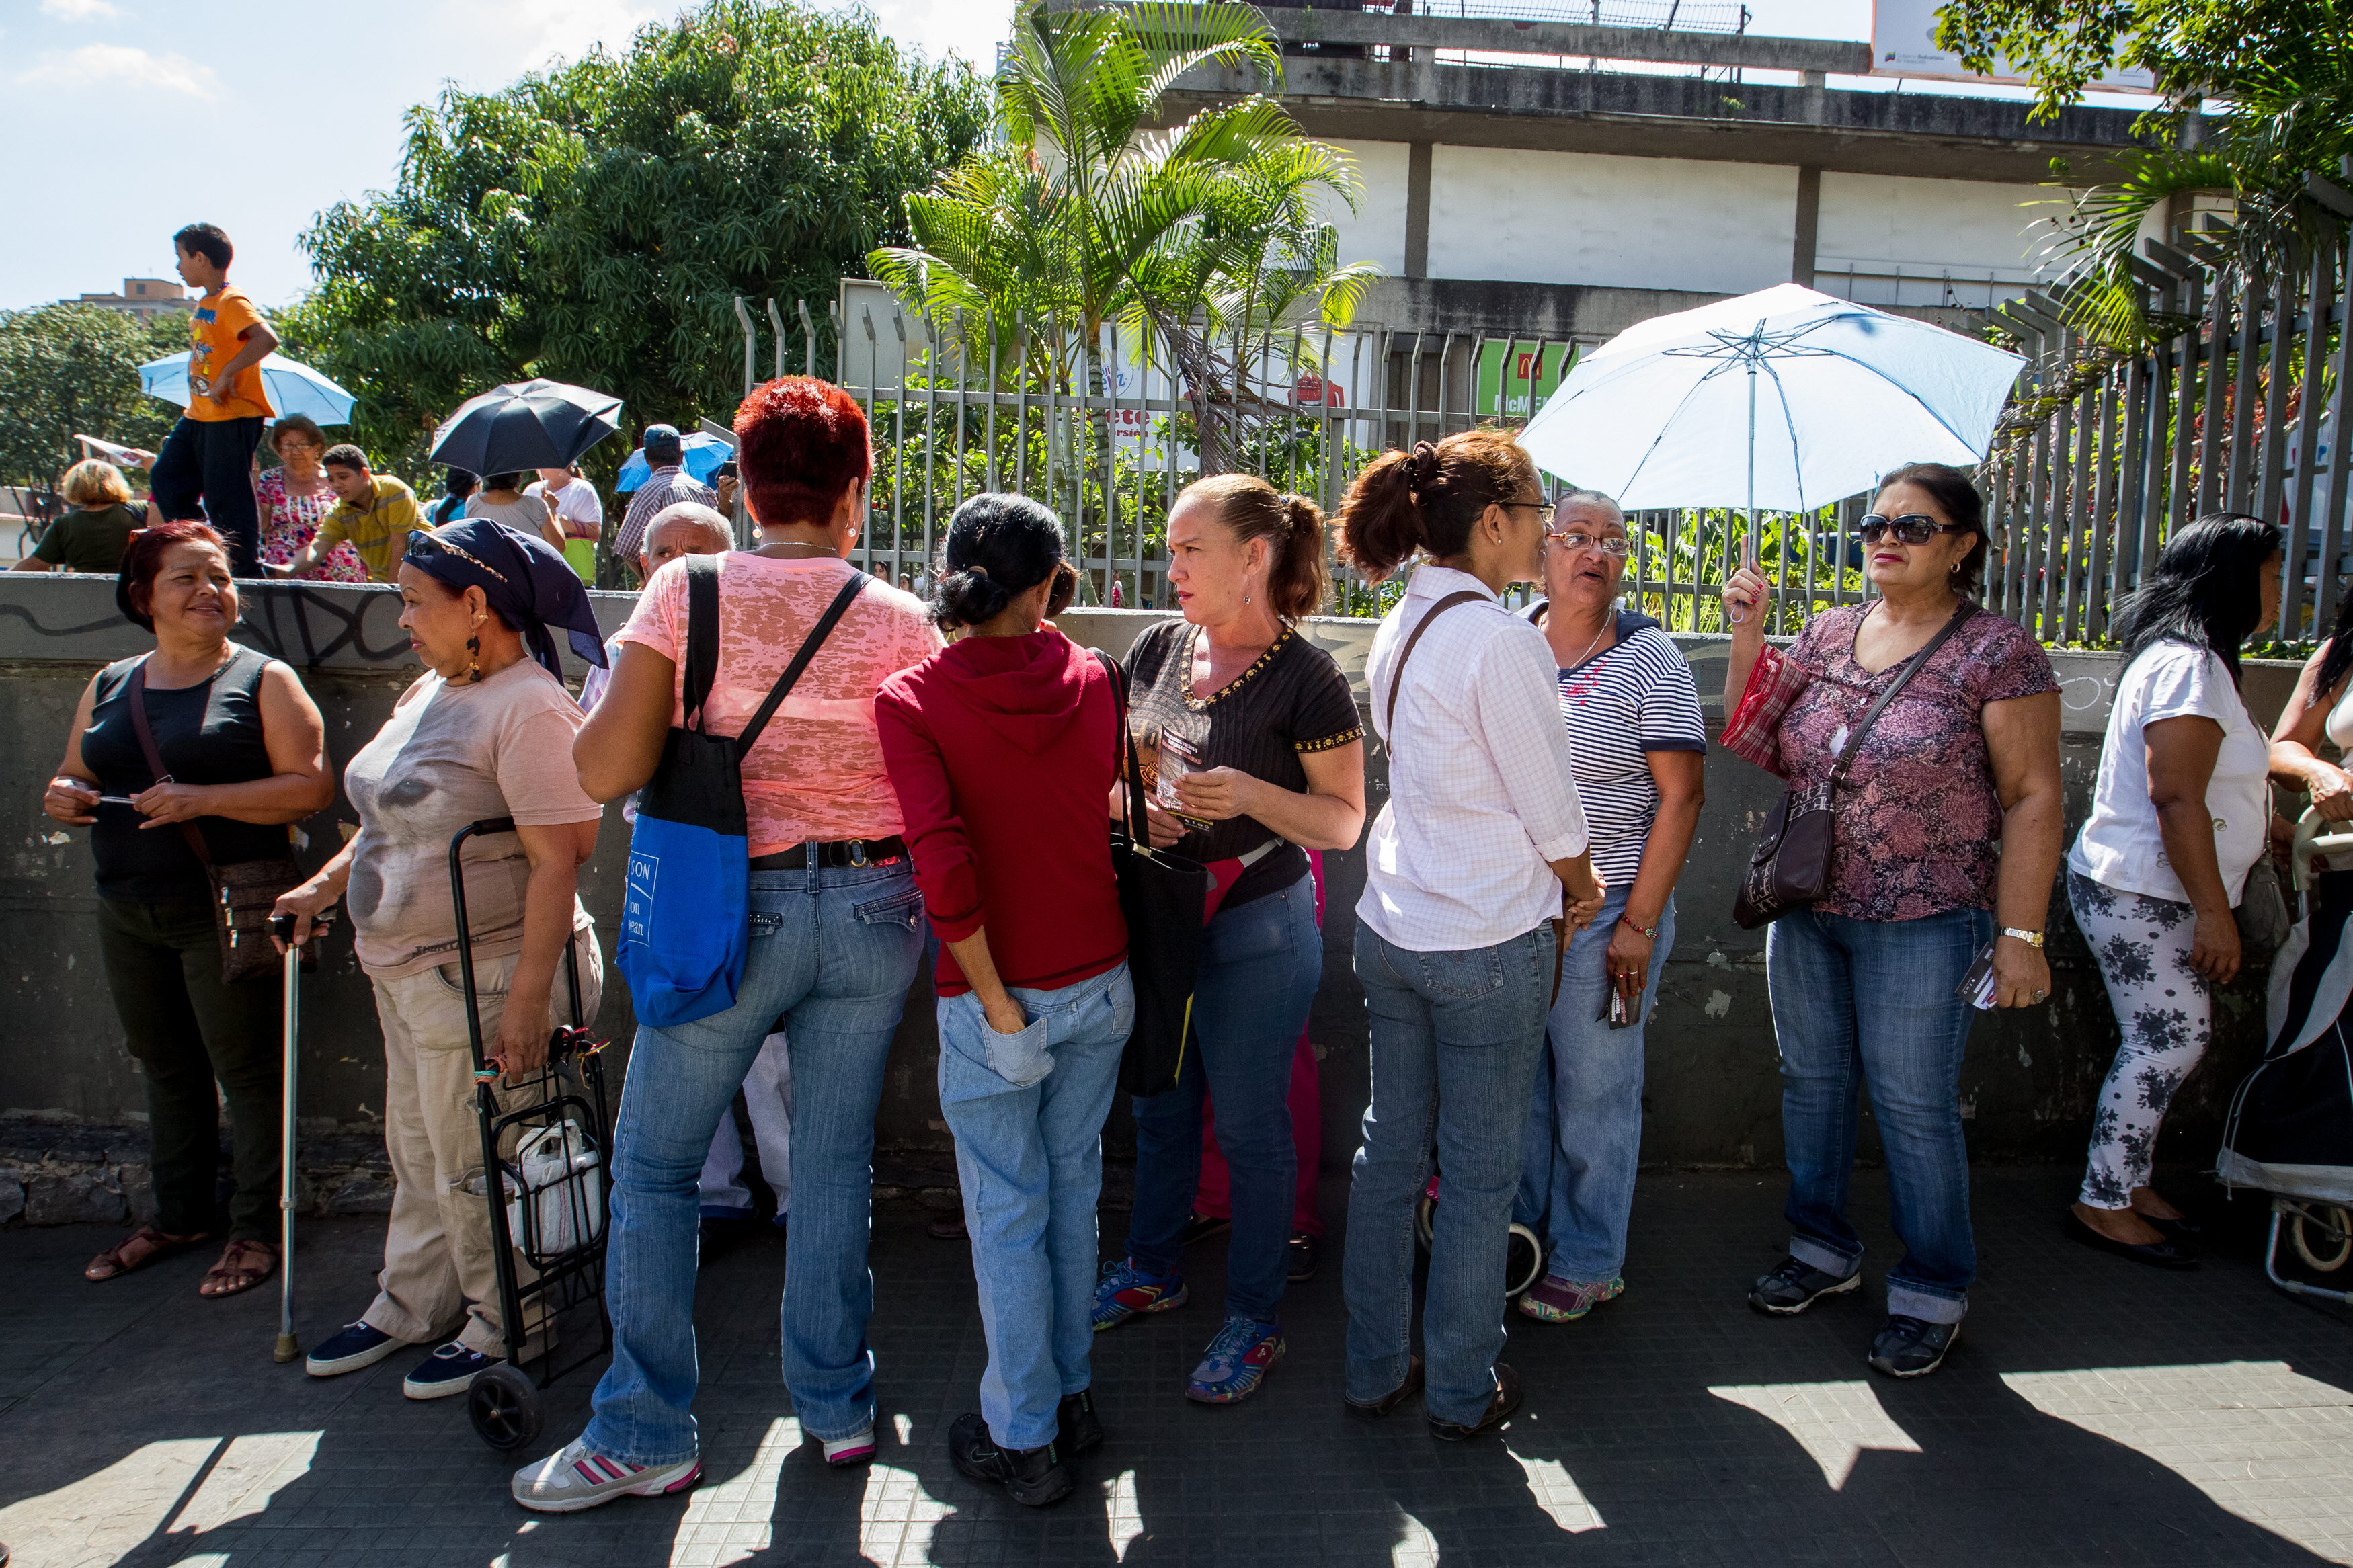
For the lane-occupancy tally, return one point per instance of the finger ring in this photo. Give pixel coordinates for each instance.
(2039, 996)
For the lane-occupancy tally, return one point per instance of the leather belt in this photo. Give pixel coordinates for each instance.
(848, 852)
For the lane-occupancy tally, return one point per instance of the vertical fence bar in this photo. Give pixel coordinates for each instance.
(2340, 455)
(2097, 587)
(2275, 488)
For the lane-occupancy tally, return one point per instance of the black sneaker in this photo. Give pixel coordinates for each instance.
(1031, 1476)
(1074, 1419)
(1794, 1285)
(1907, 1347)
(1201, 1227)
(1306, 1254)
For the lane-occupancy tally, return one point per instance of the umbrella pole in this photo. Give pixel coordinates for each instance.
(1748, 554)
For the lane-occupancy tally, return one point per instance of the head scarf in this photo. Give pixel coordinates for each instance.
(526, 582)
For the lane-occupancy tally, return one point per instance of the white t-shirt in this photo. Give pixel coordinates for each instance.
(577, 508)
(2121, 845)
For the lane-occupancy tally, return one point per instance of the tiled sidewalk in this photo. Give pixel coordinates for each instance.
(2094, 1413)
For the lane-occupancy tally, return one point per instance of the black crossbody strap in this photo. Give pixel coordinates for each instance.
(1131, 815)
(702, 636)
(1912, 667)
(810, 645)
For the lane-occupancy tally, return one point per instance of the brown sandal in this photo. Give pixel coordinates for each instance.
(150, 1244)
(234, 1274)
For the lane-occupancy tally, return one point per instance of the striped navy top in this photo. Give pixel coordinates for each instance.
(1633, 697)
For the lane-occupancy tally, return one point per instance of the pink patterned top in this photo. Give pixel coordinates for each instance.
(1919, 823)
(287, 521)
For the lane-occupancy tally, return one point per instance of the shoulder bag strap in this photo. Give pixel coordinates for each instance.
(702, 636)
(1130, 814)
(1912, 667)
(810, 645)
(1396, 677)
(139, 726)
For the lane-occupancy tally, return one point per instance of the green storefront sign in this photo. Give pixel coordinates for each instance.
(1516, 378)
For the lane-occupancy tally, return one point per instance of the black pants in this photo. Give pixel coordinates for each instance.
(211, 462)
(188, 1030)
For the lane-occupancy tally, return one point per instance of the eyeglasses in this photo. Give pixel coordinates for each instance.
(1911, 528)
(1569, 543)
(1508, 505)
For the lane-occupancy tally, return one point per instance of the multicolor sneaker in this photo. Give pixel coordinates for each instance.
(1553, 1300)
(1125, 1291)
(577, 1477)
(858, 1449)
(1236, 1363)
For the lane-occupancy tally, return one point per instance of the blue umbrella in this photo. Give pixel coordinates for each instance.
(703, 454)
(292, 387)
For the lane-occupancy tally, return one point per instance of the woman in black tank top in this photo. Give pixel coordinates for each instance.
(244, 754)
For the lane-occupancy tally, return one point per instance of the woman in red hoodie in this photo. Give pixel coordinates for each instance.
(1003, 747)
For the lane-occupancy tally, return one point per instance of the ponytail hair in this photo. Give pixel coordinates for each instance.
(1293, 527)
(1428, 499)
(999, 548)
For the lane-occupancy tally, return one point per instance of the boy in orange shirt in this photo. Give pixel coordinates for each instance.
(208, 456)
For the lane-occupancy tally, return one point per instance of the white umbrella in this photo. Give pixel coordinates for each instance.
(292, 387)
(1785, 399)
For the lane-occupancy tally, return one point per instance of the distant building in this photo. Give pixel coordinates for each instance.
(145, 298)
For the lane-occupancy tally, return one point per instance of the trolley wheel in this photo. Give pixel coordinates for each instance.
(2332, 1226)
(1523, 1260)
(504, 1407)
(1425, 1221)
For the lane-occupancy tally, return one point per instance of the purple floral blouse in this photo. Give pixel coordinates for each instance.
(1919, 823)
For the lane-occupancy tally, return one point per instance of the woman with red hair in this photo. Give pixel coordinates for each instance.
(245, 754)
(835, 938)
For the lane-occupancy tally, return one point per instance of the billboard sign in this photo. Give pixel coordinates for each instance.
(1904, 43)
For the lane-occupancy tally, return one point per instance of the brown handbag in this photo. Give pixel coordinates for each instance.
(1790, 867)
(243, 891)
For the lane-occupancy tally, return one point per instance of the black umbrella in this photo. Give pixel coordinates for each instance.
(526, 424)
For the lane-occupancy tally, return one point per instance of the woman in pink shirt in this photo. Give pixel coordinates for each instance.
(835, 940)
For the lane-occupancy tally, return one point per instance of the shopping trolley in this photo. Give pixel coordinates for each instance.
(545, 1138)
(1524, 1257)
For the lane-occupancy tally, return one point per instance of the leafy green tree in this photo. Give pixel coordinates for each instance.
(74, 368)
(595, 223)
(2270, 85)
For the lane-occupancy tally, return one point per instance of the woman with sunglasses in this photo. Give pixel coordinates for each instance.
(1638, 744)
(1948, 839)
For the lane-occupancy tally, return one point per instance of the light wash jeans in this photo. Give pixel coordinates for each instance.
(832, 954)
(1856, 1000)
(1027, 1112)
(1455, 1040)
(1585, 1127)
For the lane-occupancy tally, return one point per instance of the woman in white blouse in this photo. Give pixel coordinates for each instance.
(1472, 865)
(2180, 812)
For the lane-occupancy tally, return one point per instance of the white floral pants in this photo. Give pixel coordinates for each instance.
(2142, 945)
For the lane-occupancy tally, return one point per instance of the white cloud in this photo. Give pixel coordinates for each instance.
(81, 10)
(94, 65)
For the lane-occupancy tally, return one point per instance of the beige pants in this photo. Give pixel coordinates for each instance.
(437, 1263)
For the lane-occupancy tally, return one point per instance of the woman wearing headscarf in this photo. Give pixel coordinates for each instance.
(486, 731)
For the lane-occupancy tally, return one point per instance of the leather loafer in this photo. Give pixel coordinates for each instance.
(1499, 1410)
(2156, 1254)
(1374, 1409)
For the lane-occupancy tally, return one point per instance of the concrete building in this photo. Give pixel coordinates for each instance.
(145, 298)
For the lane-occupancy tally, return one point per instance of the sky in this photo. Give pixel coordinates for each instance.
(118, 114)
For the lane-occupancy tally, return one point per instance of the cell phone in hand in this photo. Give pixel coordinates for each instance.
(1622, 1011)
(1976, 986)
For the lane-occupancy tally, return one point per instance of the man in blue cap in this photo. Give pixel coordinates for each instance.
(667, 485)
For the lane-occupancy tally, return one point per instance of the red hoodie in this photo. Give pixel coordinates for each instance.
(1003, 751)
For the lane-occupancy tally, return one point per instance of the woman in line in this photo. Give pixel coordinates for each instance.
(1252, 754)
(244, 753)
(93, 536)
(501, 499)
(486, 731)
(1948, 828)
(1479, 851)
(2180, 811)
(1638, 742)
(292, 498)
(999, 746)
(834, 946)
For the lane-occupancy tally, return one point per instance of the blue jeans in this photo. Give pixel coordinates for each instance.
(1027, 1112)
(832, 954)
(1584, 1128)
(1260, 966)
(1455, 1040)
(207, 465)
(1873, 999)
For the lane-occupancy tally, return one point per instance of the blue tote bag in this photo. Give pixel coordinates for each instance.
(686, 912)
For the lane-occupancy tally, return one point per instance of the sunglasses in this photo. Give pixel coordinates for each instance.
(1569, 544)
(1911, 528)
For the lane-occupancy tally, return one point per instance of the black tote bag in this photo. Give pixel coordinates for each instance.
(1162, 897)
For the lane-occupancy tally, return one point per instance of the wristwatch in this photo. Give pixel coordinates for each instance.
(2030, 937)
(1650, 931)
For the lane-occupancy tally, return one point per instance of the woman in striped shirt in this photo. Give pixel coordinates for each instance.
(1636, 741)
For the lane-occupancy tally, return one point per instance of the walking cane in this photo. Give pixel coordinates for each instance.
(282, 927)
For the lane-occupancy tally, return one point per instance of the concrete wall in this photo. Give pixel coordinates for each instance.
(1925, 230)
(1712, 1095)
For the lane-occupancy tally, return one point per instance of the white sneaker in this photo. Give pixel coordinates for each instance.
(579, 1477)
(855, 1450)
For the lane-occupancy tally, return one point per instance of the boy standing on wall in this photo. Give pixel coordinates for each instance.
(208, 456)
